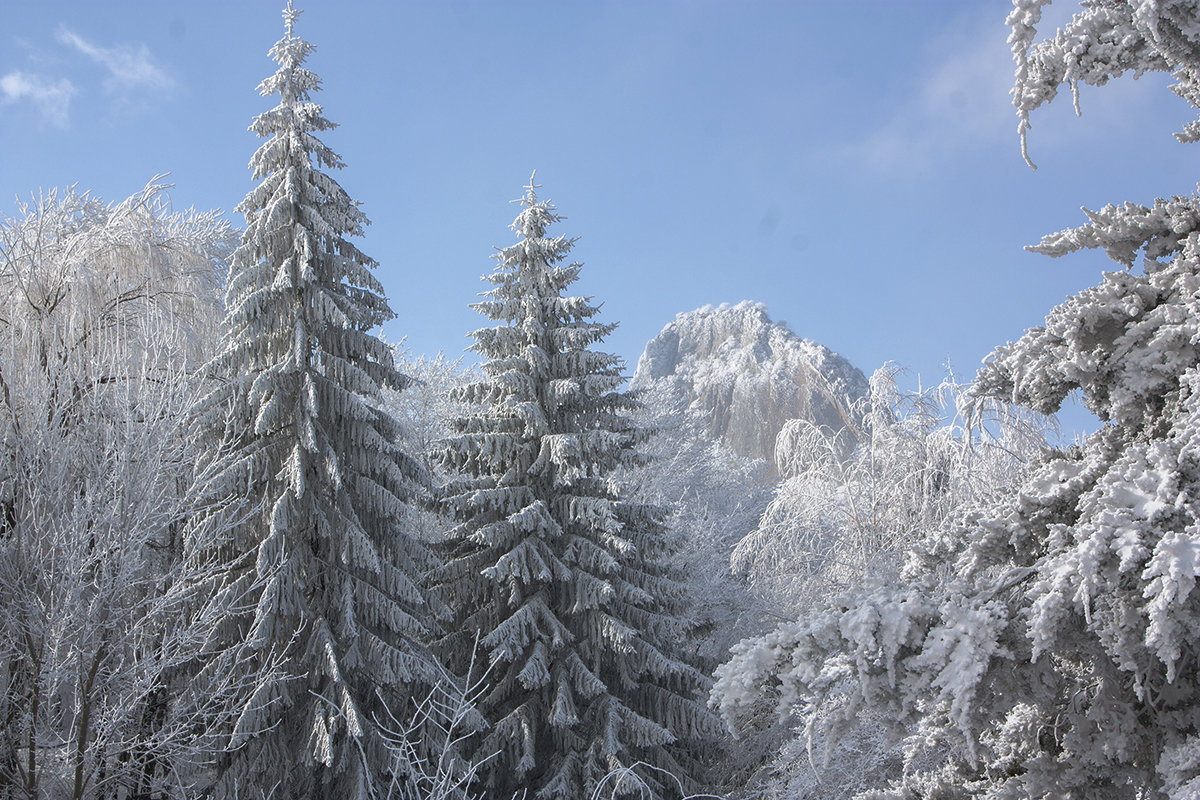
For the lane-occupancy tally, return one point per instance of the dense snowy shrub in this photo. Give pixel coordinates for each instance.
(427, 405)
(852, 502)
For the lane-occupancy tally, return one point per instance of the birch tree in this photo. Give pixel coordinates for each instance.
(105, 313)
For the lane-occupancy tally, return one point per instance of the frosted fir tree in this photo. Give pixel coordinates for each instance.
(1050, 642)
(331, 586)
(563, 579)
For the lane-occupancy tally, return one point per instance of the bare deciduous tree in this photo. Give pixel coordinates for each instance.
(103, 310)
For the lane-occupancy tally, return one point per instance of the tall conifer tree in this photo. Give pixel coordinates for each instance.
(564, 580)
(331, 585)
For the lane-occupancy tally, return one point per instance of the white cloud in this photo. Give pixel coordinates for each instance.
(52, 98)
(129, 66)
(961, 100)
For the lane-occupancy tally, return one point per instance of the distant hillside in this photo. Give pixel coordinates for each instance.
(746, 376)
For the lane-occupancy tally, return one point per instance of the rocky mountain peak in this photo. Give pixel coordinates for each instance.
(746, 376)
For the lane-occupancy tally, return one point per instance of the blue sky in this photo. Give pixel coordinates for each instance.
(853, 165)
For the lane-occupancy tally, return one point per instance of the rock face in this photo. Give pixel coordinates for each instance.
(746, 376)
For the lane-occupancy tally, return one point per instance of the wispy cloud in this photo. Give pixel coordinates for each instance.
(52, 98)
(129, 66)
(962, 99)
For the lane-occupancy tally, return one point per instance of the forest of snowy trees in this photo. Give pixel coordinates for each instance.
(250, 551)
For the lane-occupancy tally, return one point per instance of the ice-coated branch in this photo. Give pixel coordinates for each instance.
(1104, 40)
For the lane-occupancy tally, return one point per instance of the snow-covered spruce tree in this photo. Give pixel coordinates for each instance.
(563, 579)
(299, 438)
(1056, 653)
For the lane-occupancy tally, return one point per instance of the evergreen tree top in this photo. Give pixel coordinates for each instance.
(297, 116)
(536, 215)
(295, 193)
(292, 81)
(530, 281)
(290, 15)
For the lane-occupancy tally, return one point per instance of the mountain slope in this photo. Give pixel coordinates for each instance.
(745, 376)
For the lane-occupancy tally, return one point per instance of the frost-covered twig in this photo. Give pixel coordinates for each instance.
(448, 711)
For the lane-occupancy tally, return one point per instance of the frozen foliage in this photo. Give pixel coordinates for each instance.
(104, 310)
(298, 437)
(1105, 40)
(427, 405)
(563, 577)
(746, 376)
(852, 502)
(424, 409)
(843, 516)
(716, 498)
(1049, 640)
(76, 269)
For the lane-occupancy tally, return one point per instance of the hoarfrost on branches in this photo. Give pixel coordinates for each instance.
(852, 502)
(563, 576)
(105, 311)
(843, 516)
(1046, 642)
(1104, 40)
(330, 580)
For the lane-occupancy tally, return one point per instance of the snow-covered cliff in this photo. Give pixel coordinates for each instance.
(746, 376)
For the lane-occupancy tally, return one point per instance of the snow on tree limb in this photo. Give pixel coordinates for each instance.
(1104, 40)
